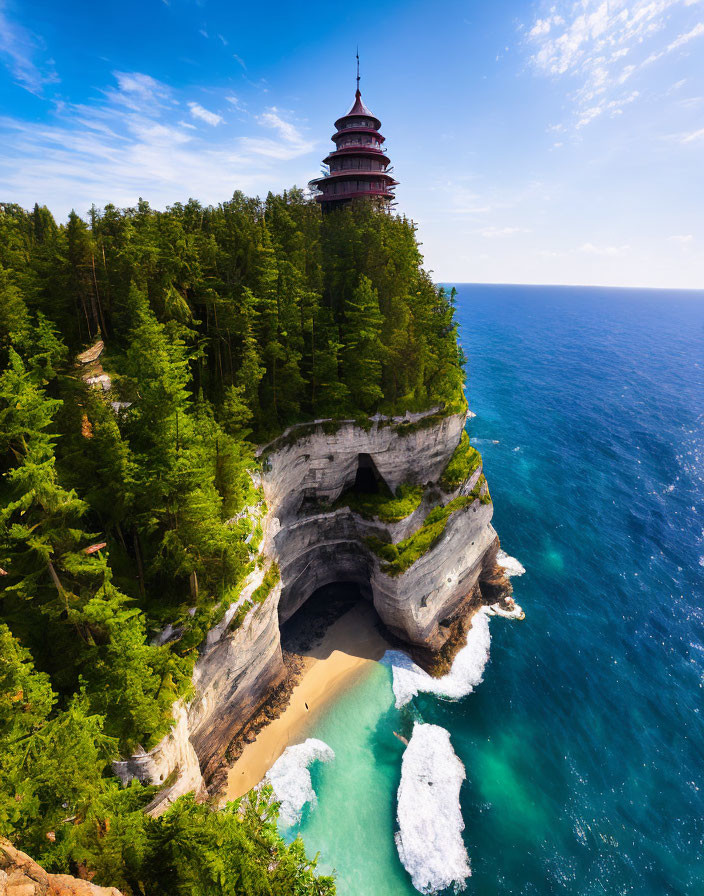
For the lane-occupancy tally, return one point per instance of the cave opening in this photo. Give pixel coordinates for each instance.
(368, 480)
(339, 617)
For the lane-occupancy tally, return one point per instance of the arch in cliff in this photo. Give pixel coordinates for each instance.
(368, 480)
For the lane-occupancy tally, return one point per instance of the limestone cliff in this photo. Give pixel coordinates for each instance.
(22, 876)
(313, 539)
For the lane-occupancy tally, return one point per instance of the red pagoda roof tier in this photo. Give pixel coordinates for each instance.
(358, 194)
(354, 174)
(351, 151)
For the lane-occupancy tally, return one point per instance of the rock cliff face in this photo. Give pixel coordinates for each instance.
(315, 543)
(22, 876)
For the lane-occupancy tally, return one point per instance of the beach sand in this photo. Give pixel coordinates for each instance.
(349, 646)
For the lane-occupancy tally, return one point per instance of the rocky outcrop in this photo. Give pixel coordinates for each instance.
(316, 542)
(22, 876)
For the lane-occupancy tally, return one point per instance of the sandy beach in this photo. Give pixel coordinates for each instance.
(348, 647)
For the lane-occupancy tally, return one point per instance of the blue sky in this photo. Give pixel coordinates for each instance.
(558, 142)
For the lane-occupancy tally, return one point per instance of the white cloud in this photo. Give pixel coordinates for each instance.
(587, 40)
(692, 136)
(683, 239)
(133, 143)
(235, 101)
(611, 251)
(19, 49)
(493, 232)
(211, 118)
(290, 144)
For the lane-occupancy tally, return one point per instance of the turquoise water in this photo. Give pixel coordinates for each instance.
(583, 747)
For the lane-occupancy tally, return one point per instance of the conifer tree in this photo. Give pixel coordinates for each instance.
(363, 350)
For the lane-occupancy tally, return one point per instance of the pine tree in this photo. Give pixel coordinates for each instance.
(363, 351)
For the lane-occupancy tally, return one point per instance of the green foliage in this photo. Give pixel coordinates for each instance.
(384, 506)
(401, 556)
(271, 577)
(464, 461)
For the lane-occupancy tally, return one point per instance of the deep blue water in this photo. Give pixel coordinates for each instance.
(584, 745)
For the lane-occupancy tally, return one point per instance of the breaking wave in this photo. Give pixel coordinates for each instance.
(466, 672)
(290, 778)
(429, 839)
(512, 566)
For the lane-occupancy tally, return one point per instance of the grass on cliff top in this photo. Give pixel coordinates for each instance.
(400, 557)
(464, 461)
(259, 595)
(384, 506)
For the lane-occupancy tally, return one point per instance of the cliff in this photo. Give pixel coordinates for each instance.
(22, 876)
(424, 572)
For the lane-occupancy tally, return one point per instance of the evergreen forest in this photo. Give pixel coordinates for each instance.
(143, 356)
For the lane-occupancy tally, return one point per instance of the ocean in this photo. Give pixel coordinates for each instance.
(584, 744)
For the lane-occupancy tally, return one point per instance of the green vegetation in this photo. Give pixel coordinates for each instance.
(464, 461)
(221, 326)
(401, 556)
(384, 506)
(271, 578)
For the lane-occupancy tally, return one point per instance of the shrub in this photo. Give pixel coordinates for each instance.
(464, 461)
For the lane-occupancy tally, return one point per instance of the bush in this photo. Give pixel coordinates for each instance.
(384, 506)
(464, 461)
(401, 556)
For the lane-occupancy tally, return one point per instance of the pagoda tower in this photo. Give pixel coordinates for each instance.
(358, 166)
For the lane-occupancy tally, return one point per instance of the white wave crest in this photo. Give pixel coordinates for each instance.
(290, 778)
(512, 566)
(429, 839)
(466, 672)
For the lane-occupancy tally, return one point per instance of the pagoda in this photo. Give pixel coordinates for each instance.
(358, 167)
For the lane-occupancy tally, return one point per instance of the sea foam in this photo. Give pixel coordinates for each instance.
(512, 566)
(466, 672)
(429, 839)
(290, 778)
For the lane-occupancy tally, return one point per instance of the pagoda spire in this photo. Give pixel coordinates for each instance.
(358, 93)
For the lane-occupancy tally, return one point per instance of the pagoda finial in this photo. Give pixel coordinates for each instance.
(358, 70)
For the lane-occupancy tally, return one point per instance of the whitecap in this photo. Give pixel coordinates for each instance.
(466, 672)
(512, 566)
(290, 778)
(429, 839)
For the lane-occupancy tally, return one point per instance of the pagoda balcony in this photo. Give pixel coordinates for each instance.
(358, 149)
(358, 194)
(355, 174)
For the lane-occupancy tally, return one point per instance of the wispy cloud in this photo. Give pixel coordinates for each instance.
(494, 232)
(20, 49)
(600, 46)
(683, 239)
(291, 142)
(134, 143)
(211, 118)
(691, 136)
(611, 251)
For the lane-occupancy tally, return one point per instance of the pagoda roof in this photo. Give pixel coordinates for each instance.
(358, 108)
